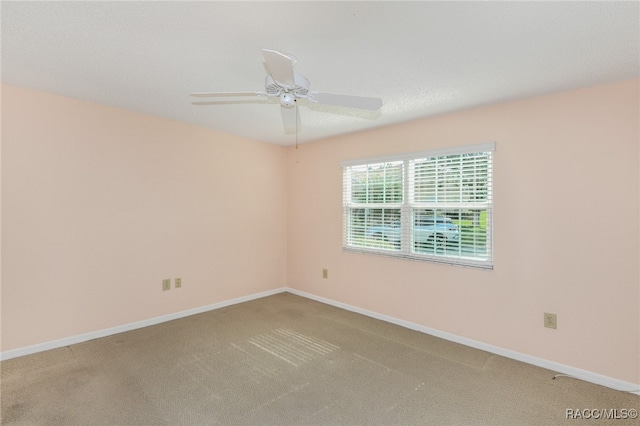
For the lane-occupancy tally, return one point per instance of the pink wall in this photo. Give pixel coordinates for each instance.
(566, 230)
(100, 204)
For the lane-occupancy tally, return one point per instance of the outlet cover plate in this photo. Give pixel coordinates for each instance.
(550, 320)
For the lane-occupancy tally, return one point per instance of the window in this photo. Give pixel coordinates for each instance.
(434, 206)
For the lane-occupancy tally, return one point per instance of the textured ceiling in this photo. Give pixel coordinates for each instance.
(420, 58)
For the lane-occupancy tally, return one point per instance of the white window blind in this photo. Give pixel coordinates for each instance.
(434, 206)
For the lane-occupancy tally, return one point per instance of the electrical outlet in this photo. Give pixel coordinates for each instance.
(550, 320)
(325, 273)
(178, 282)
(166, 284)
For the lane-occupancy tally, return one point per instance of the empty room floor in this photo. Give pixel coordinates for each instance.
(288, 360)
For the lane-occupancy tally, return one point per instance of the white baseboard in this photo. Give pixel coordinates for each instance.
(54, 344)
(577, 373)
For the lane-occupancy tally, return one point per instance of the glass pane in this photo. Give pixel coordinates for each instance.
(375, 228)
(435, 231)
(377, 183)
(425, 180)
(473, 233)
(475, 177)
(450, 232)
(452, 178)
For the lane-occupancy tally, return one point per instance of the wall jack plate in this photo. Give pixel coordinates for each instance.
(166, 284)
(178, 282)
(550, 320)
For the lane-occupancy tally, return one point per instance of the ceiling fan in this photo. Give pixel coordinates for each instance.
(287, 86)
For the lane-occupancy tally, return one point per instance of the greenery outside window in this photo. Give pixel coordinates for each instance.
(434, 206)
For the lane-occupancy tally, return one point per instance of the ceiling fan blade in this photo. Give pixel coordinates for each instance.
(226, 94)
(290, 119)
(232, 102)
(349, 101)
(280, 67)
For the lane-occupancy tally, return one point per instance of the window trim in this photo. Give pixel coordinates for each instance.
(458, 150)
(407, 207)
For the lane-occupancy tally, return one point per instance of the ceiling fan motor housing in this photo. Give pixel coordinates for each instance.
(287, 94)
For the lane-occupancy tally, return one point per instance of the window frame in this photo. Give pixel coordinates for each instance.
(409, 208)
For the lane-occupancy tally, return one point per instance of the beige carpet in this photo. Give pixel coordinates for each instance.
(287, 360)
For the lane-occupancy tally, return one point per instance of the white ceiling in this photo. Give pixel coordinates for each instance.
(420, 58)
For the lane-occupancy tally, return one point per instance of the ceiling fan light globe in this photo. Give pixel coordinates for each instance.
(287, 100)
